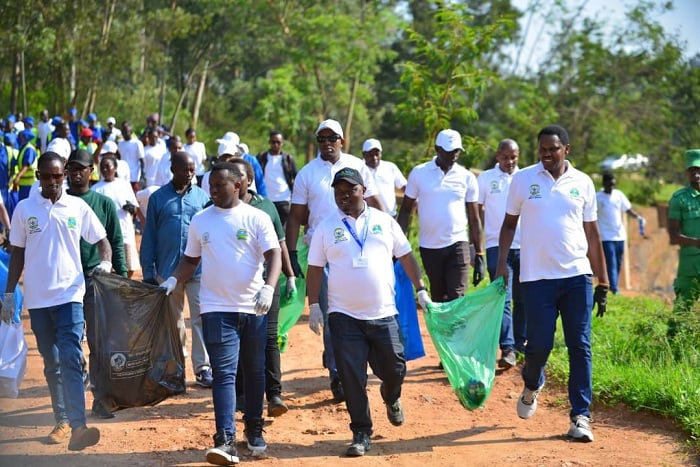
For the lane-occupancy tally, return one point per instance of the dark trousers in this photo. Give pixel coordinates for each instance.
(283, 208)
(447, 270)
(273, 369)
(356, 343)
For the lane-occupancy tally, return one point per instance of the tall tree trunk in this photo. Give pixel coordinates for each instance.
(351, 111)
(200, 94)
(14, 82)
(24, 83)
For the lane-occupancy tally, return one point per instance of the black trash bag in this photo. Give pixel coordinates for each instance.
(138, 350)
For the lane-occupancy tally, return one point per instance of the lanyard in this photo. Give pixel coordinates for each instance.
(354, 234)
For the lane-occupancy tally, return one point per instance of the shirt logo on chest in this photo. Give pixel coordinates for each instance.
(495, 186)
(242, 234)
(72, 223)
(33, 224)
(376, 229)
(339, 235)
(574, 192)
(535, 192)
(205, 238)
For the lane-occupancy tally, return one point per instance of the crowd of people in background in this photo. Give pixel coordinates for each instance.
(219, 231)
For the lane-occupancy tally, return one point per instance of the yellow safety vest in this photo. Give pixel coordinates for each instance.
(29, 176)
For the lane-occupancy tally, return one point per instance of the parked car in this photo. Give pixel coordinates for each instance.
(630, 162)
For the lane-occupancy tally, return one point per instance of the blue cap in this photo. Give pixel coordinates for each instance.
(92, 117)
(73, 111)
(28, 135)
(10, 139)
(29, 121)
(57, 120)
(11, 118)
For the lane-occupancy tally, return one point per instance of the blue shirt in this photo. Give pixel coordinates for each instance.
(167, 225)
(260, 187)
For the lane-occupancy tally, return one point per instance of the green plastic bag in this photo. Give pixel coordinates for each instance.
(292, 308)
(465, 333)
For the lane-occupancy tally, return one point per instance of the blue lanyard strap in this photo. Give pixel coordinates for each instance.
(361, 243)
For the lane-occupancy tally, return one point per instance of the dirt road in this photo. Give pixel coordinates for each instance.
(438, 431)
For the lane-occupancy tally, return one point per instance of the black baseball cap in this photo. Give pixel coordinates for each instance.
(349, 175)
(80, 156)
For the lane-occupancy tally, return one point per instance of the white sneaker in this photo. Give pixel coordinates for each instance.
(581, 429)
(527, 403)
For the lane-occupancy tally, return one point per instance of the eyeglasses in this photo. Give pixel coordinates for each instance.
(330, 139)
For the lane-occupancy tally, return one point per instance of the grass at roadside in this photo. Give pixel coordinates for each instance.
(634, 362)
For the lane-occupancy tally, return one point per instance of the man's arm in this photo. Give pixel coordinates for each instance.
(314, 274)
(4, 217)
(595, 252)
(475, 229)
(15, 270)
(505, 240)
(298, 216)
(116, 240)
(104, 249)
(404, 218)
(185, 268)
(410, 265)
(273, 258)
(677, 238)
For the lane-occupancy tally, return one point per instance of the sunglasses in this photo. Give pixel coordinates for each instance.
(329, 139)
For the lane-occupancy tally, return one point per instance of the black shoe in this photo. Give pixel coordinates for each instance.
(254, 434)
(394, 411)
(275, 407)
(224, 451)
(360, 445)
(337, 390)
(100, 411)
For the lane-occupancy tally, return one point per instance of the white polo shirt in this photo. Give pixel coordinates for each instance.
(493, 194)
(231, 243)
(360, 292)
(388, 178)
(151, 160)
(312, 187)
(611, 207)
(50, 233)
(132, 152)
(553, 243)
(441, 197)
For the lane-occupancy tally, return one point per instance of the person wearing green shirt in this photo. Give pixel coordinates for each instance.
(79, 168)
(684, 230)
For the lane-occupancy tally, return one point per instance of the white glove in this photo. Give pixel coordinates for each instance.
(8, 307)
(169, 285)
(104, 266)
(315, 318)
(263, 299)
(291, 287)
(423, 299)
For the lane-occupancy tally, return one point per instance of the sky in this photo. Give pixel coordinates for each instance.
(683, 21)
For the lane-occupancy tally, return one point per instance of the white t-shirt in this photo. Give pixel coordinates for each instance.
(611, 207)
(163, 175)
(388, 178)
(44, 129)
(333, 243)
(199, 155)
(132, 152)
(60, 146)
(493, 194)
(151, 160)
(231, 243)
(312, 187)
(50, 233)
(120, 192)
(441, 197)
(276, 184)
(553, 244)
(142, 196)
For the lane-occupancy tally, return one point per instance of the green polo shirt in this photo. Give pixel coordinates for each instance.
(685, 208)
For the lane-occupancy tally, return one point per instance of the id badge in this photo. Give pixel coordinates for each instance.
(361, 262)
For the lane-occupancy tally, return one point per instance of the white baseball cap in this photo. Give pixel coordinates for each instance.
(228, 144)
(111, 120)
(109, 147)
(449, 140)
(332, 125)
(370, 144)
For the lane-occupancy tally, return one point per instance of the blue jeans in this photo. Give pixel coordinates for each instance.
(514, 324)
(613, 250)
(358, 342)
(59, 330)
(328, 354)
(545, 300)
(225, 336)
